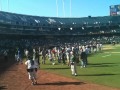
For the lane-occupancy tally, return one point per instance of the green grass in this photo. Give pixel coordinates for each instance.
(103, 68)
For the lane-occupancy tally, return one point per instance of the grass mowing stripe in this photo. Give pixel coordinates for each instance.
(107, 55)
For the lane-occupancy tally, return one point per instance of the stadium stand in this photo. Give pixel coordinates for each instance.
(11, 23)
(28, 31)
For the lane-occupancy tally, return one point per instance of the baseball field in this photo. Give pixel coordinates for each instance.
(103, 67)
(101, 73)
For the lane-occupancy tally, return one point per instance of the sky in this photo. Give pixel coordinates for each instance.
(59, 8)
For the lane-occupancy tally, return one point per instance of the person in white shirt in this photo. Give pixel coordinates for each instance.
(26, 53)
(30, 69)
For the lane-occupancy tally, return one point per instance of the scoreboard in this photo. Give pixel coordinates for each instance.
(114, 10)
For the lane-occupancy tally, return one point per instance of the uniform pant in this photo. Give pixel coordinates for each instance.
(32, 74)
(73, 68)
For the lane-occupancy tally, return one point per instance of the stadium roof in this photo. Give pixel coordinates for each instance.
(12, 18)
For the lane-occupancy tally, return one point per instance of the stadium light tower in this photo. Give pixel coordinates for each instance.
(8, 5)
(70, 7)
(63, 8)
(0, 5)
(57, 7)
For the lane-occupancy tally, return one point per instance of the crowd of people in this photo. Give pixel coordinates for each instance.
(68, 51)
(69, 54)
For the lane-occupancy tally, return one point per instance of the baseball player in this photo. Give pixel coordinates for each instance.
(73, 64)
(30, 69)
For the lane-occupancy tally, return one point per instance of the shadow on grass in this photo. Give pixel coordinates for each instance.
(62, 83)
(58, 68)
(100, 63)
(97, 74)
(103, 65)
(3, 87)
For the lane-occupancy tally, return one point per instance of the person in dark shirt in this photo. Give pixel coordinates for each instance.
(83, 59)
(73, 63)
